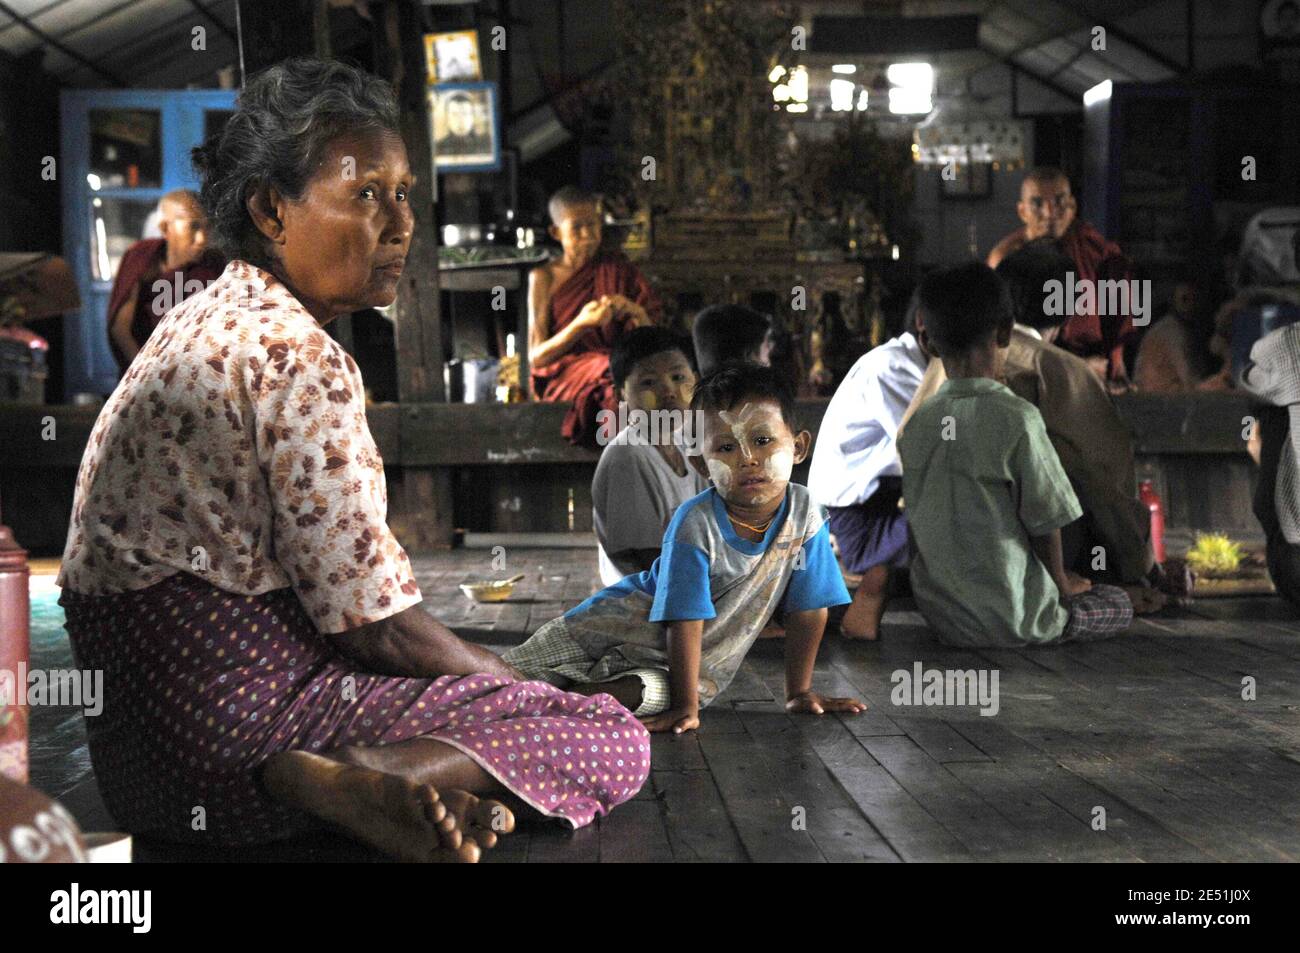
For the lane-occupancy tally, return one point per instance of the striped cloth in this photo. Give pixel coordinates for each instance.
(1099, 613)
(551, 655)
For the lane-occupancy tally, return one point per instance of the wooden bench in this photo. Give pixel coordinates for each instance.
(505, 468)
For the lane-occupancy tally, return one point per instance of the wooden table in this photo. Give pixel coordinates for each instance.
(510, 275)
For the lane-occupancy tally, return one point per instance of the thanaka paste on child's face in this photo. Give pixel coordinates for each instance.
(752, 443)
(661, 381)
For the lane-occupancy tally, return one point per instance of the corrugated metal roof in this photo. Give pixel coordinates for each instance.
(1053, 41)
(146, 43)
(149, 42)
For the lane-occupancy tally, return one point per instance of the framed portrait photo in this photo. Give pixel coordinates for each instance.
(452, 57)
(466, 127)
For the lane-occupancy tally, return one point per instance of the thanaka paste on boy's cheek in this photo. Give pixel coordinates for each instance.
(720, 474)
(779, 465)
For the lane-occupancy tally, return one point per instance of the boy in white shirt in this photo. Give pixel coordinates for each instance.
(855, 473)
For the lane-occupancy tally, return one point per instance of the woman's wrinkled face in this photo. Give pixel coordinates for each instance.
(345, 240)
(750, 452)
(662, 381)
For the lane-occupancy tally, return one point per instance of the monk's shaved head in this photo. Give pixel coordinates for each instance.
(569, 198)
(181, 203)
(184, 225)
(1044, 175)
(1046, 205)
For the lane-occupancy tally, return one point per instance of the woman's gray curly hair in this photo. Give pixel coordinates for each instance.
(286, 117)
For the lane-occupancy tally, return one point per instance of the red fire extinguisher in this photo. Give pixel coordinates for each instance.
(1151, 500)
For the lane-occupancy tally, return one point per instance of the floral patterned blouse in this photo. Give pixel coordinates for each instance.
(236, 449)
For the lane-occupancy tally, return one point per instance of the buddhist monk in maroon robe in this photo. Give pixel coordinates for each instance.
(579, 305)
(1048, 209)
(181, 260)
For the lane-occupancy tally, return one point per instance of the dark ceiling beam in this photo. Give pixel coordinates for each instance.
(1071, 95)
(1178, 69)
(65, 50)
(147, 37)
(99, 18)
(34, 14)
(208, 15)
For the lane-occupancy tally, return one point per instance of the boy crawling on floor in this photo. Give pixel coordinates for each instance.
(667, 641)
(986, 494)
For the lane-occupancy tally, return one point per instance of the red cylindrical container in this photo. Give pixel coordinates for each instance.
(15, 617)
(1147, 494)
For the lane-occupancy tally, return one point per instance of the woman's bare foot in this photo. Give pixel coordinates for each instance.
(405, 820)
(479, 820)
(861, 620)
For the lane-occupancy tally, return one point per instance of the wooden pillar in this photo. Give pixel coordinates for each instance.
(271, 32)
(421, 515)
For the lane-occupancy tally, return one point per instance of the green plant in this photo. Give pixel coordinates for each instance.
(1214, 554)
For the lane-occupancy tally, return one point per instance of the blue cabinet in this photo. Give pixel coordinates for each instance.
(122, 150)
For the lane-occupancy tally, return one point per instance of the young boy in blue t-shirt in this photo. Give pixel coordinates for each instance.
(667, 641)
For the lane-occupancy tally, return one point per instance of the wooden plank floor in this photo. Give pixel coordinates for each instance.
(1148, 734)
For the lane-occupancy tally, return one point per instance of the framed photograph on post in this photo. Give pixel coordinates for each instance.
(466, 127)
(452, 57)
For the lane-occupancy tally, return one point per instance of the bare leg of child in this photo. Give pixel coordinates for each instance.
(411, 799)
(626, 690)
(862, 618)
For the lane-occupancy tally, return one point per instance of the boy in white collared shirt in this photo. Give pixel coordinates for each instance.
(855, 473)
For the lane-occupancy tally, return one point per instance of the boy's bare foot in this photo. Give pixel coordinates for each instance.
(405, 820)
(861, 620)
(1145, 599)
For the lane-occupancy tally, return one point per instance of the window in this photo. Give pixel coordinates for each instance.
(125, 149)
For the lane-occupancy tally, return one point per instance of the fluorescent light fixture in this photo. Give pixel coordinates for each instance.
(1098, 94)
(799, 84)
(911, 75)
(848, 69)
(781, 92)
(909, 102)
(842, 95)
(862, 99)
(777, 72)
(797, 107)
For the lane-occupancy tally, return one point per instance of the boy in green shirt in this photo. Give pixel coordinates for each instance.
(986, 494)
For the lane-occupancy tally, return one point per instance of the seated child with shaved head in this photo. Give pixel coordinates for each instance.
(730, 334)
(986, 494)
(667, 641)
(643, 476)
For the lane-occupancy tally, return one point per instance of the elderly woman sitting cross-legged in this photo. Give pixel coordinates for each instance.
(229, 567)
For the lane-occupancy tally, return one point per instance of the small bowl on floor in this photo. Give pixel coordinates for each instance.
(498, 591)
